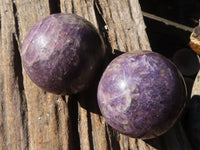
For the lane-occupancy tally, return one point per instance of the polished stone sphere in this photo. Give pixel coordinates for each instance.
(62, 53)
(141, 94)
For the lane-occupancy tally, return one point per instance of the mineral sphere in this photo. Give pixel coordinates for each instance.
(141, 94)
(62, 53)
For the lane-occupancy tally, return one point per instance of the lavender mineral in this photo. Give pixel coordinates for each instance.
(62, 53)
(141, 94)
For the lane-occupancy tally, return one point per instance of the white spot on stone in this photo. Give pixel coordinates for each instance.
(122, 84)
(106, 27)
(42, 41)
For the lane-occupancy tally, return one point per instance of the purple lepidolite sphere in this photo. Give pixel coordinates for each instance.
(62, 53)
(141, 94)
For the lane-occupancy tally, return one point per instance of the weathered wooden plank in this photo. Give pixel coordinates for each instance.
(42, 123)
(13, 125)
(46, 129)
(94, 11)
(125, 24)
(86, 9)
(1, 86)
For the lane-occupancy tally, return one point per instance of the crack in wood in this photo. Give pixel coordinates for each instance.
(15, 13)
(74, 140)
(19, 78)
(112, 138)
(90, 131)
(102, 24)
(54, 6)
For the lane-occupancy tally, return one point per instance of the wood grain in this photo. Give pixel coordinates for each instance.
(31, 118)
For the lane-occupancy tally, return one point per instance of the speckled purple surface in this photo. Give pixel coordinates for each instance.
(62, 53)
(141, 94)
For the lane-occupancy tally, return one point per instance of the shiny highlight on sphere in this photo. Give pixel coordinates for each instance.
(141, 94)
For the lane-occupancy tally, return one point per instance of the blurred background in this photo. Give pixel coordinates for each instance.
(167, 39)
